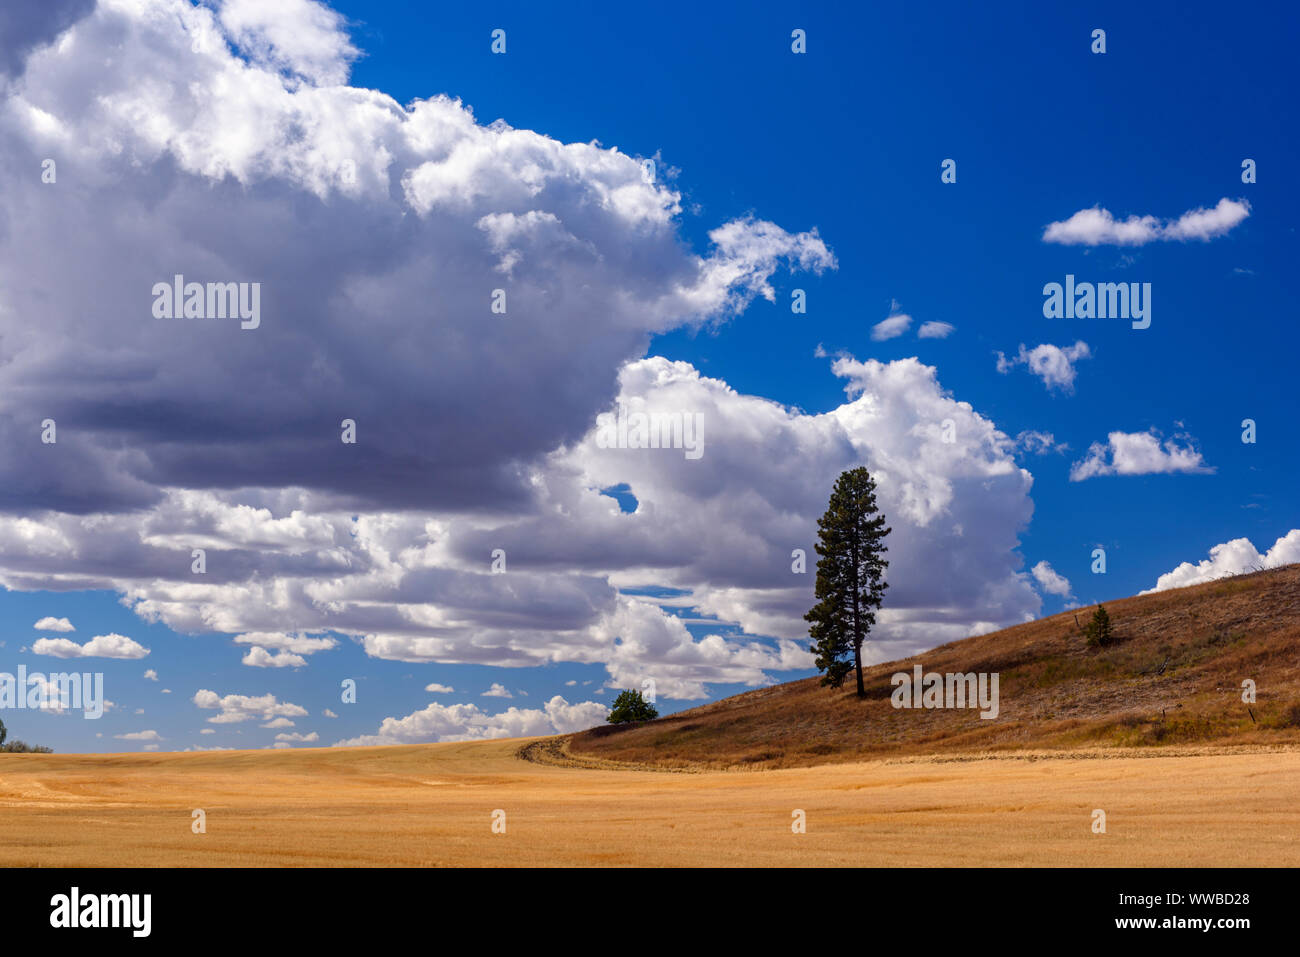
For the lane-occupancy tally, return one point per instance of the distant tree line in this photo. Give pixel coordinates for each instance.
(19, 747)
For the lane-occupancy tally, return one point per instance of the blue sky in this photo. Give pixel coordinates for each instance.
(849, 139)
(846, 140)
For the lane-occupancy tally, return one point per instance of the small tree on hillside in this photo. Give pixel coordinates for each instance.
(630, 706)
(850, 577)
(3, 733)
(1098, 630)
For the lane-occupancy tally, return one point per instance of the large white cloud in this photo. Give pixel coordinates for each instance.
(1232, 558)
(948, 484)
(419, 587)
(219, 143)
(378, 233)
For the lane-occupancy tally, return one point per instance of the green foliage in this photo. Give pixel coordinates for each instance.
(1098, 631)
(22, 747)
(630, 706)
(850, 577)
(3, 733)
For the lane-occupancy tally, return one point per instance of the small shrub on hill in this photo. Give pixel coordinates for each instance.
(1098, 631)
(630, 706)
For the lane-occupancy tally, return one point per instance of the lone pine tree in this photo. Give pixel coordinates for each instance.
(850, 577)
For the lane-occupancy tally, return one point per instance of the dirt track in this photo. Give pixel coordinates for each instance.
(429, 805)
(555, 752)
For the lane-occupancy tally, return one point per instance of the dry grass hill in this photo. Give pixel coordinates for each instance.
(1173, 677)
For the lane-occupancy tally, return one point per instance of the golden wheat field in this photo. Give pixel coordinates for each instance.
(432, 805)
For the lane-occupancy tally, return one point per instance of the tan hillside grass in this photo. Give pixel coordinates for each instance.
(1173, 677)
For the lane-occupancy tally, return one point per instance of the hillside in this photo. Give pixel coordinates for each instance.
(1173, 677)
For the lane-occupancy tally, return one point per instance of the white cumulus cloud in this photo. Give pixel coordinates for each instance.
(378, 230)
(467, 722)
(54, 624)
(259, 657)
(101, 646)
(1232, 558)
(234, 708)
(1050, 581)
(1139, 453)
(1097, 226)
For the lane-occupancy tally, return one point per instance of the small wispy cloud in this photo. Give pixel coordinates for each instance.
(891, 328)
(1098, 227)
(1038, 443)
(1053, 364)
(935, 330)
(297, 736)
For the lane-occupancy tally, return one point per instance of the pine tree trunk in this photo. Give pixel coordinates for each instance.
(858, 636)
